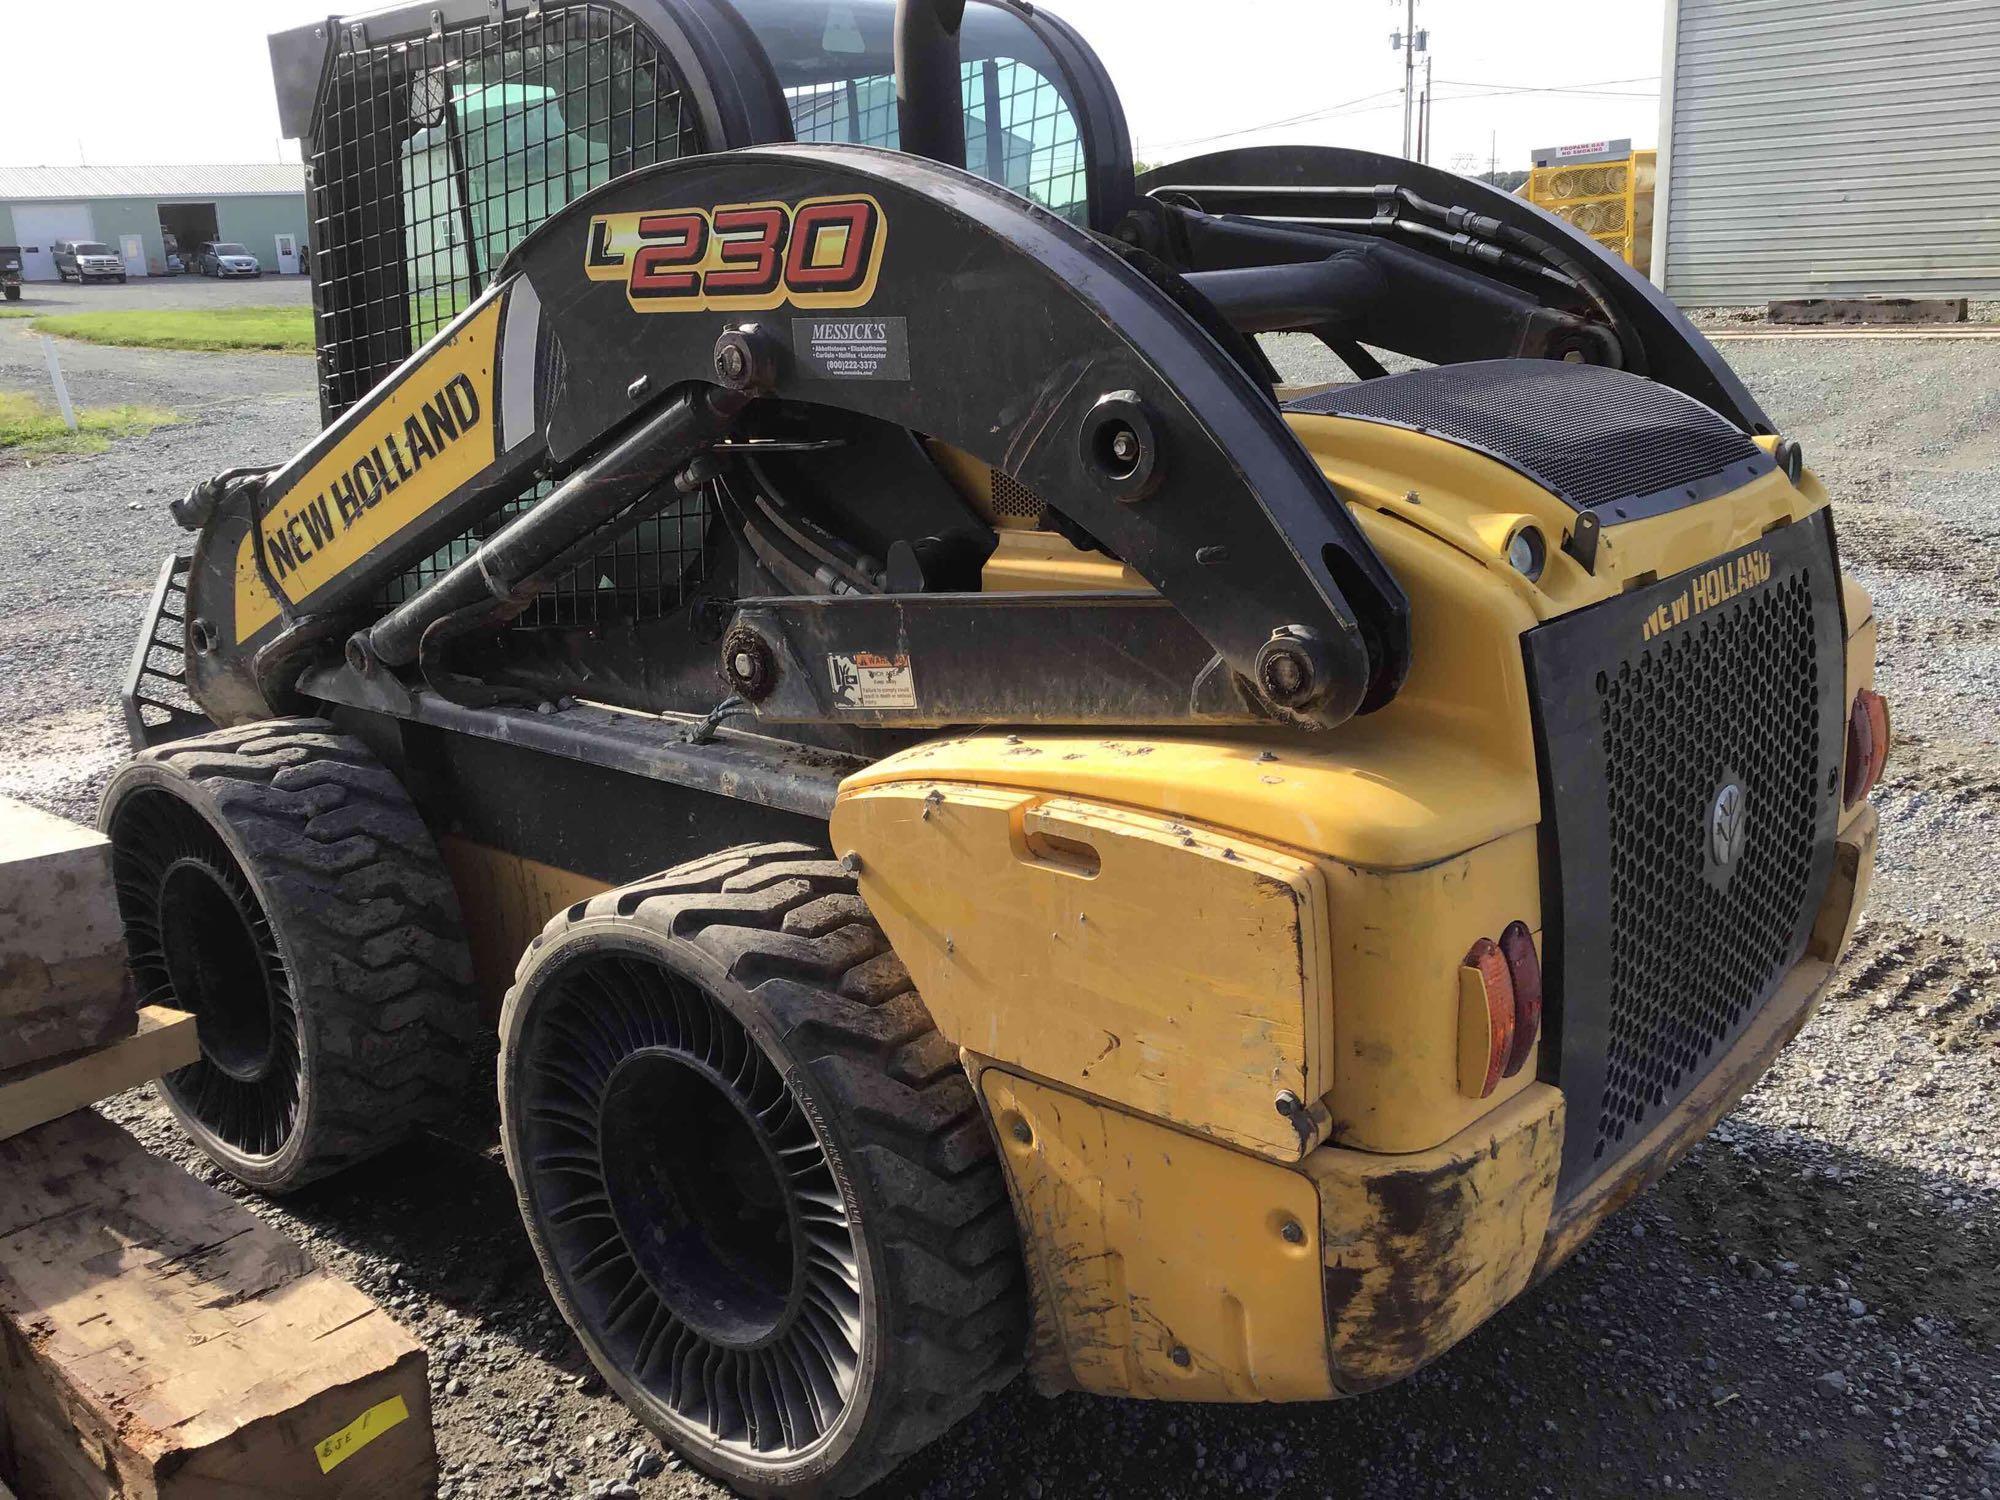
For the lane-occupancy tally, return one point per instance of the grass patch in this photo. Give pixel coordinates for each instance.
(28, 425)
(16, 312)
(286, 330)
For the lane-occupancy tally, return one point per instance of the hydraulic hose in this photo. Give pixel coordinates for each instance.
(1487, 227)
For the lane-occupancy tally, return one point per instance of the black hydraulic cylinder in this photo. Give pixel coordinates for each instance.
(1310, 294)
(594, 495)
(930, 104)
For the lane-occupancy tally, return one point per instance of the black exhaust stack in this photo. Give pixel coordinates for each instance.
(930, 108)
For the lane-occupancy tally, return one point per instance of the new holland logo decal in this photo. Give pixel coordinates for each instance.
(822, 253)
(1712, 586)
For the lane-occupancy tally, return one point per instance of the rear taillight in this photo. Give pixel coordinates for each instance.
(1524, 967)
(1500, 1010)
(1867, 745)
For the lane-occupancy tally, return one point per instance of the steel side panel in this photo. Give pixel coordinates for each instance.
(1185, 978)
(1159, 1261)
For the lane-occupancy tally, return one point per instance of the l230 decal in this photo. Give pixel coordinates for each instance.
(821, 253)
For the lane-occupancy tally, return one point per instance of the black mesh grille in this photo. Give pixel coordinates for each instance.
(431, 159)
(1600, 439)
(1733, 698)
(1015, 500)
(1719, 687)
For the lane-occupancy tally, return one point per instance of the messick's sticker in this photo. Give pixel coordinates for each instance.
(853, 348)
(866, 680)
(334, 1451)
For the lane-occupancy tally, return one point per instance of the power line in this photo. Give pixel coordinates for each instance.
(1485, 91)
(1598, 89)
(1316, 114)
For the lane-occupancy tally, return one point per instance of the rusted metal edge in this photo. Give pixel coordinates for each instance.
(750, 768)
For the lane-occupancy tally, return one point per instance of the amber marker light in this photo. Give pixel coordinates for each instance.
(1485, 1019)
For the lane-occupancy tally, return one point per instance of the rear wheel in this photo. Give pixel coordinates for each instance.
(756, 1177)
(275, 881)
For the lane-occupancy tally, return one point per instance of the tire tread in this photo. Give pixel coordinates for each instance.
(371, 917)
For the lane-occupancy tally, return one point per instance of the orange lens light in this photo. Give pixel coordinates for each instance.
(1486, 1019)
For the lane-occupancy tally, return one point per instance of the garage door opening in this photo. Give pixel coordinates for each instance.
(37, 227)
(185, 228)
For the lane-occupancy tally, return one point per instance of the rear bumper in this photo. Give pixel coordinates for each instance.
(1168, 1264)
(1420, 1250)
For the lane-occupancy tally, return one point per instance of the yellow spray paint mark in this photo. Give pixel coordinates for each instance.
(334, 1451)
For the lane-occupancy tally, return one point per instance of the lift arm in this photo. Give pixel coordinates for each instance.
(867, 282)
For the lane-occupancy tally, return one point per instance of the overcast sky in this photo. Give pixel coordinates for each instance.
(140, 81)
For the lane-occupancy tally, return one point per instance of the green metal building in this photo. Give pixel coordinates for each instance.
(134, 210)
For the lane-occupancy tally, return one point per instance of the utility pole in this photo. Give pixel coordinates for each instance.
(1493, 162)
(1409, 41)
(1424, 118)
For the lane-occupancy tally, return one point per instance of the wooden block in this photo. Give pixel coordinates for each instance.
(1867, 310)
(39, 1092)
(158, 1341)
(63, 979)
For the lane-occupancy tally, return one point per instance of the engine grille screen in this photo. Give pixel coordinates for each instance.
(1691, 737)
(1604, 440)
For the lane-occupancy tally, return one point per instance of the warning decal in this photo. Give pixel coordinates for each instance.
(865, 680)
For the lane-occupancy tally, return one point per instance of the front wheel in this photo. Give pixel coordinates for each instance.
(13, 294)
(275, 881)
(758, 1182)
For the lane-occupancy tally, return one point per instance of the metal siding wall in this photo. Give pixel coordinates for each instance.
(256, 223)
(1834, 147)
(115, 217)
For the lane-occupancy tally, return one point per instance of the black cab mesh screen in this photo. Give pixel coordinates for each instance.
(1601, 439)
(1019, 131)
(433, 158)
(836, 64)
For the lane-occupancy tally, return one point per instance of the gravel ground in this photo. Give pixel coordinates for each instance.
(1808, 1306)
(161, 293)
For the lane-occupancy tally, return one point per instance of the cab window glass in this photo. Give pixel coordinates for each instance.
(513, 127)
(835, 61)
